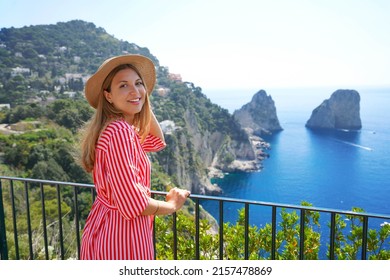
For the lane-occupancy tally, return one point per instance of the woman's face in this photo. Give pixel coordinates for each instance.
(127, 93)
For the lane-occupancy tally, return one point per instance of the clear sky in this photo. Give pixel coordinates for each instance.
(239, 44)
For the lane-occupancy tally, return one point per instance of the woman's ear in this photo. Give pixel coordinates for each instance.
(107, 95)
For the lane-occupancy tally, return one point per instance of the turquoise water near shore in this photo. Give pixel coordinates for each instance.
(340, 169)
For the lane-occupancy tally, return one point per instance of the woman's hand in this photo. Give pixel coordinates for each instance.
(177, 198)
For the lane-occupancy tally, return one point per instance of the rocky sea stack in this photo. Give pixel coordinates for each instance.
(340, 111)
(259, 116)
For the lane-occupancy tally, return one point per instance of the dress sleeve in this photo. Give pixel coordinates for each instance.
(153, 144)
(129, 195)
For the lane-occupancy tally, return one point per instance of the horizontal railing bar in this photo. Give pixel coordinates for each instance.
(225, 199)
(46, 181)
(282, 205)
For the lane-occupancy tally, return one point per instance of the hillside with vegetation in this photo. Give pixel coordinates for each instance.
(43, 69)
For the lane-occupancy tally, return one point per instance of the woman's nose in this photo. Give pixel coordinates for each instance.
(133, 89)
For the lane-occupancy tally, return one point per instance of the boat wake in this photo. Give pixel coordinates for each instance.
(355, 145)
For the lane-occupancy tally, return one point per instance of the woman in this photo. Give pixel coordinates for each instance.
(122, 130)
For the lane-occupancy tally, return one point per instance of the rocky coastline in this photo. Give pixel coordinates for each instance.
(260, 148)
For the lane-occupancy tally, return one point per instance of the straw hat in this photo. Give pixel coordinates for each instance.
(143, 64)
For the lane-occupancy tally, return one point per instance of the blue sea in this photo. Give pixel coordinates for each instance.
(338, 170)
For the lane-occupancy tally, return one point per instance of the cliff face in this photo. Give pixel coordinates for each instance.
(340, 111)
(203, 140)
(259, 115)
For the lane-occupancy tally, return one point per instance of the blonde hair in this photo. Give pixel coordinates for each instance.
(104, 114)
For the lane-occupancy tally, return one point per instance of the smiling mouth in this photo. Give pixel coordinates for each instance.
(135, 100)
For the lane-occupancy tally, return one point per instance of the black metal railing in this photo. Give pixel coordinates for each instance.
(23, 199)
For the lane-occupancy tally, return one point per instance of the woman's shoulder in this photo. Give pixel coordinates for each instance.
(115, 127)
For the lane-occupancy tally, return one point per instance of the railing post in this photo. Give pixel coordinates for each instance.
(273, 234)
(154, 230)
(15, 225)
(3, 237)
(332, 236)
(174, 229)
(246, 231)
(364, 238)
(43, 209)
(76, 220)
(59, 209)
(28, 221)
(221, 230)
(302, 235)
(197, 229)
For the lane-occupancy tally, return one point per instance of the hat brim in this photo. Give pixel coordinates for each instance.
(143, 64)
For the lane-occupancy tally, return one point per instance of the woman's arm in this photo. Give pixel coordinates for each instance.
(174, 201)
(155, 128)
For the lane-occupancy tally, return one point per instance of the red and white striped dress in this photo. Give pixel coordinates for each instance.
(115, 228)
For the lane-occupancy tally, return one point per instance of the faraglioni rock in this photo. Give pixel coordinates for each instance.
(259, 115)
(340, 111)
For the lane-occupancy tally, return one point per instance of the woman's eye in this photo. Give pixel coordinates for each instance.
(123, 86)
(140, 83)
